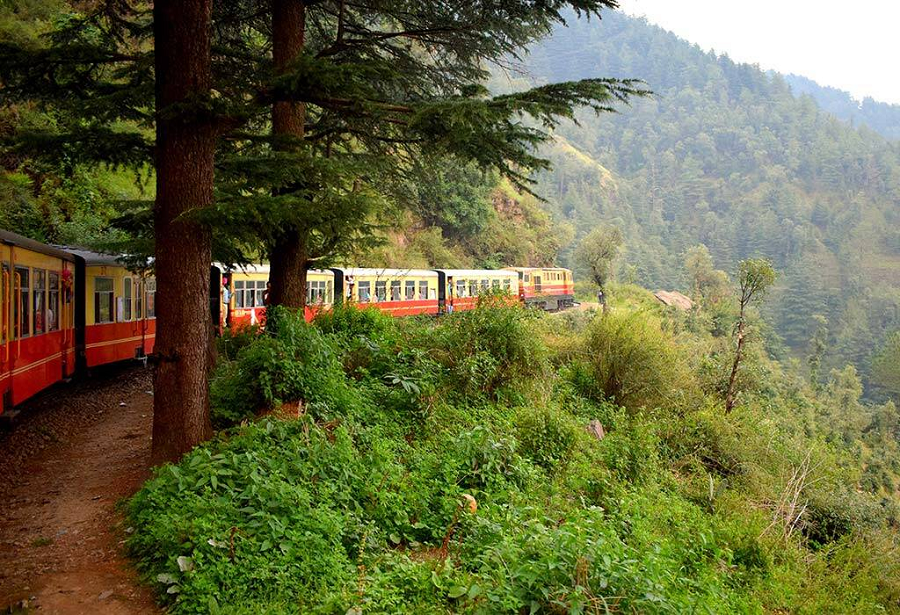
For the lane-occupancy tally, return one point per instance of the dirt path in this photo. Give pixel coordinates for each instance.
(60, 535)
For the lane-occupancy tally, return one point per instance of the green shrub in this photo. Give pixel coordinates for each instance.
(484, 350)
(296, 363)
(635, 363)
(546, 436)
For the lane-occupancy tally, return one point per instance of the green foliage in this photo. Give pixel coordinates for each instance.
(636, 363)
(886, 365)
(296, 363)
(547, 436)
(597, 252)
(363, 498)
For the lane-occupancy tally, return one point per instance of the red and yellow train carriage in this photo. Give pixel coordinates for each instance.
(548, 288)
(119, 310)
(37, 310)
(398, 292)
(244, 294)
(459, 288)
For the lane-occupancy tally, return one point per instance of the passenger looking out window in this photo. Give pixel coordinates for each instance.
(395, 290)
(410, 290)
(365, 292)
(380, 291)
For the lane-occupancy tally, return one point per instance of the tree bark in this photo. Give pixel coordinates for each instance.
(732, 380)
(288, 262)
(288, 258)
(184, 181)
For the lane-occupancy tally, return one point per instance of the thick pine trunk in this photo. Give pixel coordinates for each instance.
(288, 262)
(184, 181)
(289, 256)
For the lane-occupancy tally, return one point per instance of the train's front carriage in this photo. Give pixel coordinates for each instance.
(37, 341)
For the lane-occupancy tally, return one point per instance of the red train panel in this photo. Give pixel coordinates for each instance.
(118, 341)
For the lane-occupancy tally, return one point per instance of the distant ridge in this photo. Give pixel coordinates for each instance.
(883, 118)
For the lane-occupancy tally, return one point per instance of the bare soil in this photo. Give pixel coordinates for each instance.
(73, 453)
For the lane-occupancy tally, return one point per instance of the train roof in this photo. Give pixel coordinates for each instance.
(537, 269)
(261, 268)
(387, 273)
(19, 241)
(454, 273)
(92, 258)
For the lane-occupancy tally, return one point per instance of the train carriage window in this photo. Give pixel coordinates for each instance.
(460, 288)
(495, 284)
(410, 290)
(138, 298)
(507, 285)
(527, 277)
(365, 292)
(259, 297)
(395, 290)
(473, 288)
(238, 293)
(39, 301)
(151, 297)
(485, 284)
(126, 299)
(423, 290)
(380, 291)
(104, 300)
(53, 301)
(21, 320)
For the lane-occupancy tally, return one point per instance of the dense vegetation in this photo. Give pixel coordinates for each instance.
(725, 155)
(881, 117)
(427, 466)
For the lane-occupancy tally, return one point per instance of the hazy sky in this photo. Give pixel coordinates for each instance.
(854, 46)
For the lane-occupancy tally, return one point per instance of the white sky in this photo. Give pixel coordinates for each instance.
(853, 46)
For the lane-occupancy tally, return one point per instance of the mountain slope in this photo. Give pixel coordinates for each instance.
(724, 154)
(881, 117)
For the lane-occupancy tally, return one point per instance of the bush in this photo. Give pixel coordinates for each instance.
(636, 364)
(546, 436)
(295, 363)
(486, 349)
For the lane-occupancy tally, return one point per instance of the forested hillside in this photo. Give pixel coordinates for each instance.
(883, 118)
(727, 156)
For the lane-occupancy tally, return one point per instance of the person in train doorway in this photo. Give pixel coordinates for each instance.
(351, 282)
(267, 293)
(449, 295)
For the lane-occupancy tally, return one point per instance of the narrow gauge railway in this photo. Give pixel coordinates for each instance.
(398, 292)
(65, 310)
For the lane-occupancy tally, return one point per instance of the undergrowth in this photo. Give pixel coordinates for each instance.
(437, 466)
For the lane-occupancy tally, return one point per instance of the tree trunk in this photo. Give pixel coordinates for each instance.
(288, 262)
(288, 257)
(184, 181)
(732, 380)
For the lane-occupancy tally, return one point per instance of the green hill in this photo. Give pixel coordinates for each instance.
(726, 155)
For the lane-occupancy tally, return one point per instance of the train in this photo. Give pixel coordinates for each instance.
(397, 292)
(66, 310)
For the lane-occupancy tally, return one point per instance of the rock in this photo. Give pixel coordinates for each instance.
(104, 595)
(595, 428)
